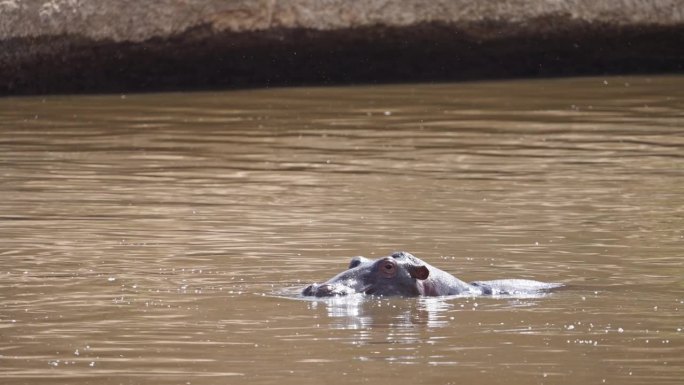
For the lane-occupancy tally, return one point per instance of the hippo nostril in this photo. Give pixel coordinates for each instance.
(307, 290)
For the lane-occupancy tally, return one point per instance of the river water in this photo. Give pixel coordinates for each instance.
(162, 238)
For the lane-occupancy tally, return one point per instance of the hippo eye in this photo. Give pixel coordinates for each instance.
(389, 269)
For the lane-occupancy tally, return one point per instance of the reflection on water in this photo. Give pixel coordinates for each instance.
(360, 312)
(144, 236)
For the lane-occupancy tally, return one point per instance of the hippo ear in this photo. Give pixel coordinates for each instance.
(420, 272)
(357, 261)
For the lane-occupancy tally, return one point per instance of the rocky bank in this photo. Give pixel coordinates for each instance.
(66, 46)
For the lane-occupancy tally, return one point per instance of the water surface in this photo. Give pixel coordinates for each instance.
(151, 238)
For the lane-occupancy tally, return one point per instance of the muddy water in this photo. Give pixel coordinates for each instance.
(158, 239)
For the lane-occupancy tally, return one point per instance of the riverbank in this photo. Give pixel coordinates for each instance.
(70, 46)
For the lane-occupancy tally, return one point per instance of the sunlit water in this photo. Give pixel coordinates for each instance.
(162, 238)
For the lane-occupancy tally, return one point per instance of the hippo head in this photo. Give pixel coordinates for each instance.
(395, 275)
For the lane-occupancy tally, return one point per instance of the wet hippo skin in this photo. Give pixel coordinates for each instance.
(403, 274)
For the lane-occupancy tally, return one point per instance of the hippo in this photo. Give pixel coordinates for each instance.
(402, 274)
